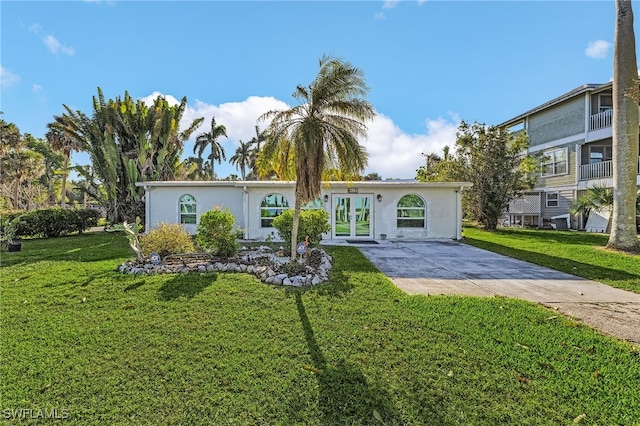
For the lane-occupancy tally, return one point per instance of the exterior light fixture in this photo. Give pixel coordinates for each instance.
(326, 198)
(379, 197)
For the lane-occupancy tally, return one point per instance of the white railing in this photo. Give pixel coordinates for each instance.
(601, 120)
(602, 169)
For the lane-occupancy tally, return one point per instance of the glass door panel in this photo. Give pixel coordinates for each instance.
(342, 216)
(362, 216)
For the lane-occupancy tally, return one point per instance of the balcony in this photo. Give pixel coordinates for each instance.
(601, 120)
(602, 169)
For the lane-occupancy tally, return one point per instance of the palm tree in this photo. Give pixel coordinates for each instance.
(211, 138)
(624, 234)
(322, 130)
(243, 157)
(61, 140)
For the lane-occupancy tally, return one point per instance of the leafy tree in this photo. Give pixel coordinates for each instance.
(61, 140)
(243, 157)
(210, 138)
(623, 234)
(373, 176)
(52, 161)
(322, 131)
(492, 159)
(128, 142)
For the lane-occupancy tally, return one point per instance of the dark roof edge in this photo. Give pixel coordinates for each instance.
(570, 94)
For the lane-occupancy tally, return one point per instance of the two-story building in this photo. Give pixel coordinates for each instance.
(574, 134)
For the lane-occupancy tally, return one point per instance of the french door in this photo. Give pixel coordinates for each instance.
(352, 216)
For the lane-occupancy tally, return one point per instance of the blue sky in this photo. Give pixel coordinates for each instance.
(429, 64)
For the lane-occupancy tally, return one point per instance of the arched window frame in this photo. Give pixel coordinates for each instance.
(411, 216)
(270, 208)
(187, 206)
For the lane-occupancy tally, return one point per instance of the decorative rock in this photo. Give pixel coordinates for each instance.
(202, 268)
(270, 280)
(286, 281)
(316, 280)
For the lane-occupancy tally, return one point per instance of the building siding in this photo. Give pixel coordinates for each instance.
(566, 179)
(555, 123)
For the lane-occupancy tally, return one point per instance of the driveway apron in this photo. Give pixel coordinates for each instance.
(450, 267)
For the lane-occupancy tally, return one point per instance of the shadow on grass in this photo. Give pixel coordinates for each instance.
(185, 286)
(584, 270)
(345, 396)
(90, 247)
(134, 286)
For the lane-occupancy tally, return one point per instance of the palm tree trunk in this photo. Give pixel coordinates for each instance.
(623, 234)
(213, 173)
(295, 226)
(63, 191)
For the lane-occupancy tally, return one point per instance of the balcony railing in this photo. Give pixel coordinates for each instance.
(603, 169)
(601, 120)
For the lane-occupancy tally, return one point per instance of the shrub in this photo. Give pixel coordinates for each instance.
(313, 223)
(216, 232)
(167, 239)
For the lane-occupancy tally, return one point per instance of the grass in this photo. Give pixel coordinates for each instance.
(227, 349)
(578, 253)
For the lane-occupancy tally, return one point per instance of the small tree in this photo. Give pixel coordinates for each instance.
(491, 158)
(216, 232)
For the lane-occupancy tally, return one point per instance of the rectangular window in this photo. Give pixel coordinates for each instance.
(552, 199)
(555, 163)
(598, 154)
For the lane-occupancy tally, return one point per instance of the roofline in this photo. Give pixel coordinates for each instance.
(570, 94)
(280, 184)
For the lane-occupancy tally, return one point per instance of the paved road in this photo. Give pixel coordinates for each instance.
(450, 267)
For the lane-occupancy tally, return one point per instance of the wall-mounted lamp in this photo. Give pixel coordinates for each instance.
(326, 198)
(379, 197)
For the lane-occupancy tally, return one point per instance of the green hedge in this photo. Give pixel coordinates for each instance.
(313, 223)
(54, 222)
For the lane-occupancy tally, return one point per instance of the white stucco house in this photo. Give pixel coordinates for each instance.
(363, 210)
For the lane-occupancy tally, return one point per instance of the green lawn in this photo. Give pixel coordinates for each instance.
(578, 253)
(227, 349)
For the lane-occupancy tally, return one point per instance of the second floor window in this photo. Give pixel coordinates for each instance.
(555, 163)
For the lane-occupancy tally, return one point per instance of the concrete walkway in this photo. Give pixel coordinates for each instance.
(450, 267)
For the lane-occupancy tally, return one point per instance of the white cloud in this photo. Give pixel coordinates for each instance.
(56, 47)
(36, 88)
(380, 16)
(35, 28)
(597, 49)
(394, 153)
(7, 78)
(390, 4)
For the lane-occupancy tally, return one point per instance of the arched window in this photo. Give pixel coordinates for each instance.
(187, 209)
(272, 206)
(412, 212)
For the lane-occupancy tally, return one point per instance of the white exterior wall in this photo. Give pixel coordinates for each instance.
(243, 199)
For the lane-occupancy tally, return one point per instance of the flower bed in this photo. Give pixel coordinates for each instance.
(268, 266)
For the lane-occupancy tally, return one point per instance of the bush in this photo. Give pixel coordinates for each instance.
(216, 232)
(53, 222)
(313, 223)
(167, 239)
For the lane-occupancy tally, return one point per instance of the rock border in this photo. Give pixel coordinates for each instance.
(268, 266)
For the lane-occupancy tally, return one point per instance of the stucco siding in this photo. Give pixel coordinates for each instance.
(442, 200)
(555, 123)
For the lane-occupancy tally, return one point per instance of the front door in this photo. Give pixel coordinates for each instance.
(352, 216)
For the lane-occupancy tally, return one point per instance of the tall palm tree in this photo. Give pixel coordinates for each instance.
(243, 157)
(624, 234)
(322, 130)
(61, 140)
(210, 138)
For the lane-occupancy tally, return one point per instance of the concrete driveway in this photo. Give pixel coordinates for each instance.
(450, 267)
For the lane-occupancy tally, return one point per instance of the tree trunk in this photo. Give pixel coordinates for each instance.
(623, 234)
(63, 191)
(295, 226)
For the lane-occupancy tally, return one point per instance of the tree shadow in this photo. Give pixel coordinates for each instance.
(134, 286)
(345, 396)
(185, 286)
(584, 270)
